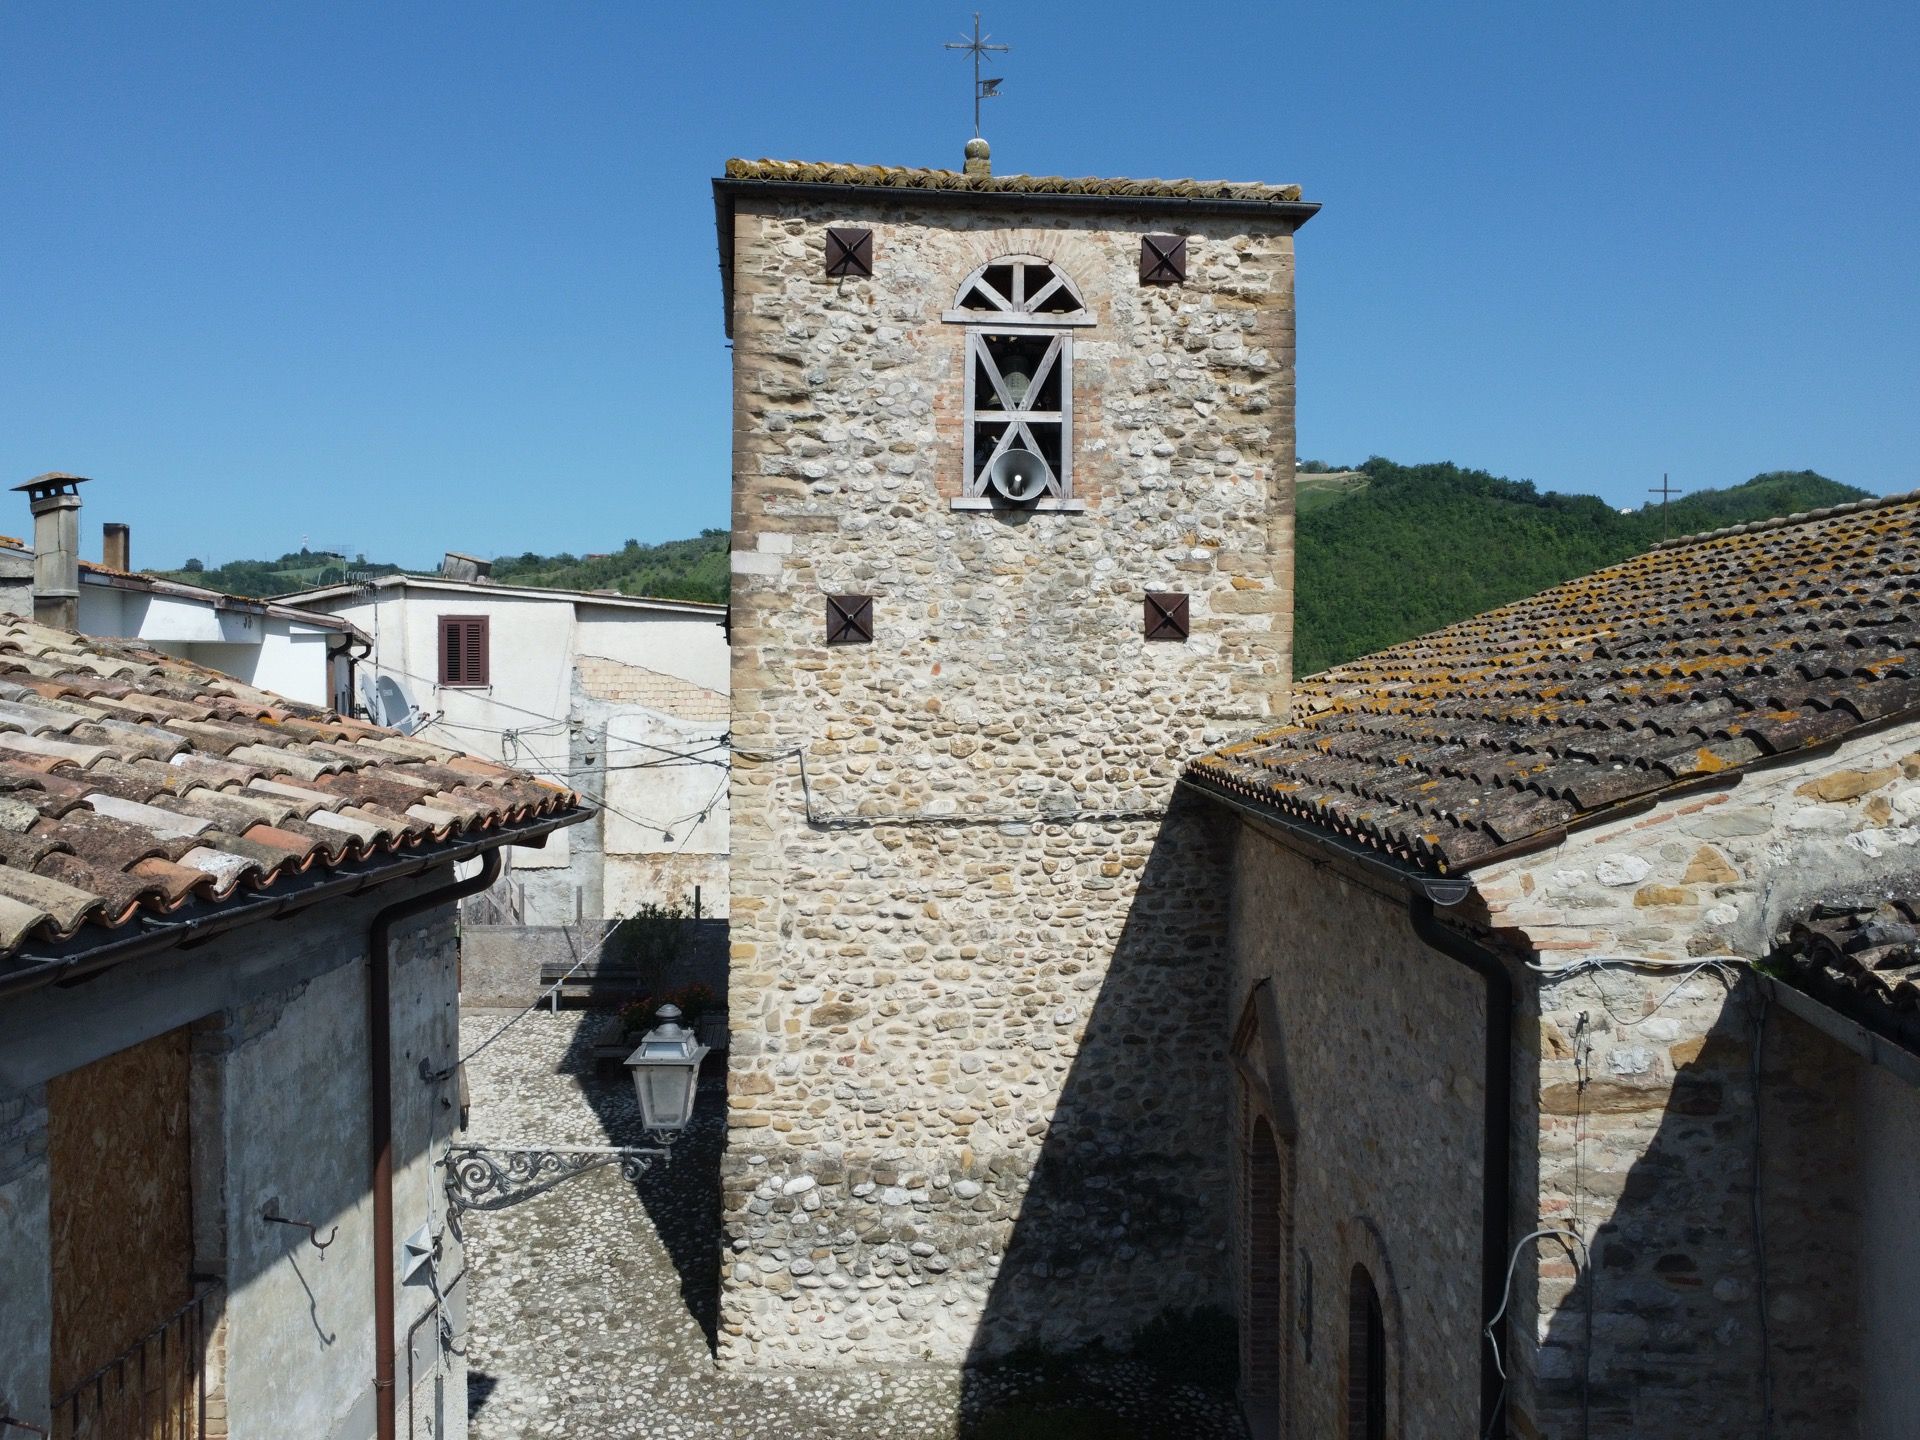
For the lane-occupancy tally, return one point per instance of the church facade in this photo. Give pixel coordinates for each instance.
(1012, 530)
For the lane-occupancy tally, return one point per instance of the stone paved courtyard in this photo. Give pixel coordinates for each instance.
(591, 1307)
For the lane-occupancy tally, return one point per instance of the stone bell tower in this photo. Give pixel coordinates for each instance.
(1012, 539)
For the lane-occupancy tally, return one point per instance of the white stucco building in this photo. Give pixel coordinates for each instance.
(304, 656)
(623, 698)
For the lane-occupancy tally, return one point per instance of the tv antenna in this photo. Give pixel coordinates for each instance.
(984, 87)
(1666, 492)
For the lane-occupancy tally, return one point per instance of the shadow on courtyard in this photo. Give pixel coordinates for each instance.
(681, 1196)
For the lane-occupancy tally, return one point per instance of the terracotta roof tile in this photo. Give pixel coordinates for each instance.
(1861, 953)
(168, 784)
(1697, 658)
(900, 177)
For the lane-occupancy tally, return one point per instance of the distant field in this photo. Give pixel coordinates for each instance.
(1316, 492)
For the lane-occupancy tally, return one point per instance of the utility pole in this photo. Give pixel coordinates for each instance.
(1666, 492)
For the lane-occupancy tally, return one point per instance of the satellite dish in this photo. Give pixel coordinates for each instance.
(1019, 475)
(387, 704)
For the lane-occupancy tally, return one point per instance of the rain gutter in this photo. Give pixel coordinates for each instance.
(202, 920)
(380, 1118)
(1424, 894)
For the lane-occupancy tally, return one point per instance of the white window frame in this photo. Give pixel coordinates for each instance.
(1013, 315)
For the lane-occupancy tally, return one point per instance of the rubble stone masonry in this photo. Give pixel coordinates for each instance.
(978, 1085)
(1643, 1084)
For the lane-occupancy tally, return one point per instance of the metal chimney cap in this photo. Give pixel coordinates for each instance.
(54, 482)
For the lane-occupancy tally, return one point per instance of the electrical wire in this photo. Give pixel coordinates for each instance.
(611, 743)
(611, 808)
(553, 722)
(1724, 968)
(435, 1077)
(1721, 965)
(1582, 1263)
(832, 820)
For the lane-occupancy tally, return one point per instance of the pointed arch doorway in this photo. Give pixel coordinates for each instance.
(1264, 1281)
(1265, 1238)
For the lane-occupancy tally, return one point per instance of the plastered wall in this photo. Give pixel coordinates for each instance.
(278, 1113)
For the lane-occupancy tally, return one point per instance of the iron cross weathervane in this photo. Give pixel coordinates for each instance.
(982, 89)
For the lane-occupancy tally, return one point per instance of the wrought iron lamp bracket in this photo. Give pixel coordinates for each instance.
(483, 1177)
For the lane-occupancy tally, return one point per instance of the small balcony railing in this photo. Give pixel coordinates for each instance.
(155, 1390)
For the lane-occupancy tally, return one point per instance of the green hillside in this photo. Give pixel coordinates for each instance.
(1384, 551)
(693, 569)
(1420, 546)
(295, 570)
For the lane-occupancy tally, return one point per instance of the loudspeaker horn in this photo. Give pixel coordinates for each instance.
(1019, 475)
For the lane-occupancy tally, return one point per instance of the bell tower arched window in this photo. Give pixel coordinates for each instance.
(1020, 312)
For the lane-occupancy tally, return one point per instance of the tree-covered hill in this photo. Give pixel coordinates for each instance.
(1384, 551)
(1416, 547)
(694, 569)
(295, 570)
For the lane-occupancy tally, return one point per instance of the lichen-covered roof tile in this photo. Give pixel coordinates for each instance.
(902, 177)
(1686, 663)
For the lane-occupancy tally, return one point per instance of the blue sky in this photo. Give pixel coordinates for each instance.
(415, 276)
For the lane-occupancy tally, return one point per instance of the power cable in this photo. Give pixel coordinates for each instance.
(434, 1077)
(832, 820)
(1723, 968)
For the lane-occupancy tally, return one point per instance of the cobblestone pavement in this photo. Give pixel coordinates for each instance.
(591, 1308)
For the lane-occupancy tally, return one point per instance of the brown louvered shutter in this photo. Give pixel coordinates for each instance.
(464, 658)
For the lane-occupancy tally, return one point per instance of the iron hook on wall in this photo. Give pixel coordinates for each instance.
(313, 1230)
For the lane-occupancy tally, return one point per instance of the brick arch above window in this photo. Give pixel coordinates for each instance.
(1260, 1055)
(1364, 1249)
(1019, 290)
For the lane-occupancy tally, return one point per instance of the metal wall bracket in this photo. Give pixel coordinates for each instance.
(313, 1231)
(480, 1177)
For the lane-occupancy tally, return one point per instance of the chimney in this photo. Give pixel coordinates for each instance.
(55, 499)
(979, 157)
(116, 546)
(455, 566)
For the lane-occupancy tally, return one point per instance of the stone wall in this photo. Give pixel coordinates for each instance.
(976, 998)
(1373, 1084)
(1643, 1089)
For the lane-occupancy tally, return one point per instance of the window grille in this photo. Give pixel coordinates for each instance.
(464, 647)
(1020, 313)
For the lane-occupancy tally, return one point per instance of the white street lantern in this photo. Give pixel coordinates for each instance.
(666, 1072)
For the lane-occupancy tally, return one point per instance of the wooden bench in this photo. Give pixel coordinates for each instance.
(592, 983)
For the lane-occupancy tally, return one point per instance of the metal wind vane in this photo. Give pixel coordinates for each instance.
(984, 87)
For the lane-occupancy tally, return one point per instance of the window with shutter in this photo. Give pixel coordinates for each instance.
(464, 659)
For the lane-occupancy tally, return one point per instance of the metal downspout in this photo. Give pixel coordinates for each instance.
(380, 1119)
(1497, 1144)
